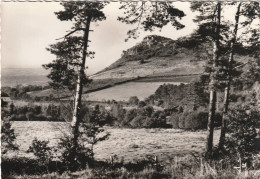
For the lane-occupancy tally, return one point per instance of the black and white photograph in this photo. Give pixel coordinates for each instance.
(130, 89)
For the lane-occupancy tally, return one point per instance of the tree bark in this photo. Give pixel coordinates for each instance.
(227, 88)
(78, 94)
(213, 94)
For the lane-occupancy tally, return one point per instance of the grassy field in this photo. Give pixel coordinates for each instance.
(123, 92)
(130, 144)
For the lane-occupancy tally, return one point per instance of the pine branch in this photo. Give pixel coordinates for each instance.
(71, 33)
(240, 65)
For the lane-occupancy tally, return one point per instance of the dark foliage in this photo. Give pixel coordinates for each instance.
(169, 95)
(241, 140)
(25, 166)
(41, 150)
(7, 137)
(35, 113)
(193, 120)
(74, 161)
(150, 15)
(21, 92)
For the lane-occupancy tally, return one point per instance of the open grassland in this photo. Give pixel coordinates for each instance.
(153, 66)
(124, 91)
(129, 144)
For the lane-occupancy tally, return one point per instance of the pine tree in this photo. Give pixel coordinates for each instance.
(68, 70)
(210, 17)
(227, 88)
(249, 10)
(150, 15)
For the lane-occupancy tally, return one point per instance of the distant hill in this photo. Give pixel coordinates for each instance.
(156, 56)
(24, 76)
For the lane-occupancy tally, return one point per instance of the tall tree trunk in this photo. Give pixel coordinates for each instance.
(227, 88)
(213, 94)
(78, 94)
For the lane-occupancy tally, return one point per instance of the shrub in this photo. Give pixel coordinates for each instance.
(29, 116)
(40, 117)
(175, 120)
(129, 116)
(93, 134)
(77, 155)
(74, 161)
(242, 133)
(156, 123)
(41, 150)
(141, 104)
(137, 122)
(181, 120)
(196, 120)
(7, 137)
(117, 111)
(146, 111)
(19, 117)
(133, 100)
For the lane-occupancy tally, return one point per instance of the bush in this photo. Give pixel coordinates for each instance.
(137, 122)
(175, 120)
(40, 117)
(242, 133)
(118, 111)
(74, 161)
(189, 120)
(133, 100)
(76, 154)
(141, 104)
(129, 116)
(181, 120)
(146, 111)
(156, 123)
(41, 150)
(7, 137)
(148, 118)
(196, 120)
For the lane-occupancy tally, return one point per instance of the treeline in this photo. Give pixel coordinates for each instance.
(32, 113)
(179, 110)
(170, 95)
(21, 92)
(140, 117)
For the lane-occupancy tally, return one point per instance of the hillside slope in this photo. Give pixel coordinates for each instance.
(156, 56)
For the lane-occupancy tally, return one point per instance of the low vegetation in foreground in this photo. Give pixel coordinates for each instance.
(238, 159)
(180, 167)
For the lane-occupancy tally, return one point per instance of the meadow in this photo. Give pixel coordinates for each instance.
(124, 91)
(127, 144)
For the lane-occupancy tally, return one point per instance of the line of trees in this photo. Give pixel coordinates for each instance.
(224, 45)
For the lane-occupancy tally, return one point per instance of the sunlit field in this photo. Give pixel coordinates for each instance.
(123, 92)
(127, 144)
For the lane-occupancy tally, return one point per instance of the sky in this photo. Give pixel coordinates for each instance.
(28, 28)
